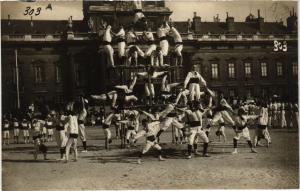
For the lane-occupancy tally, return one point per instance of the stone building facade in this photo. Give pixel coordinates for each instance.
(58, 60)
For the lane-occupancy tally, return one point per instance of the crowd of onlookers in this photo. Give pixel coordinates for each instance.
(282, 114)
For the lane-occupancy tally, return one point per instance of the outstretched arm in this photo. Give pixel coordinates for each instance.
(143, 74)
(202, 81)
(122, 87)
(121, 32)
(174, 85)
(83, 104)
(158, 74)
(148, 115)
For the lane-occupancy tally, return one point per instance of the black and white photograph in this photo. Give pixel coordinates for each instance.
(149, 95)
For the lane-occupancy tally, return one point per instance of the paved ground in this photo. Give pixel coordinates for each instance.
(275, 167)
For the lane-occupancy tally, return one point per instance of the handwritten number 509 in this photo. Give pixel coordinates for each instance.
(30, 11)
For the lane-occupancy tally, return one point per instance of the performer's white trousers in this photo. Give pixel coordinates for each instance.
(61, 138)
(164, 45)
(178, 49)
(196, 132)
(107, 133)
(110, 54)
(150, 144)
(194, 91)
(82, 132)
(243, 133)
(130, 133)
(121, 49)
(150, 49)
(149, 91)
(16, 132)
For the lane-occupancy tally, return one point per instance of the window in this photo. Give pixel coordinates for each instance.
(231, 70)
(78, 75)
(264, 92)
(58, 74)
(39, 74)
(279, 69)
(295, 68)
(232, 93)
(214, 71)
(264, 70)
(248, 70)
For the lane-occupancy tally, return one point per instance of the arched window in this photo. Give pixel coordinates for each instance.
(39, 71)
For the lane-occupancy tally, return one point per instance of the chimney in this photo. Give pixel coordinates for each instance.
(229, 23)
(8, 18)
(70, 23)
(293, 11)
(260, 20)
(292, 23)
(196, 22)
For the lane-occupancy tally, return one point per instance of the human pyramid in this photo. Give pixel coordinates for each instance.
(185, 112)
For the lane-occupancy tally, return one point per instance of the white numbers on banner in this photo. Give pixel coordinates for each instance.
(280, 46)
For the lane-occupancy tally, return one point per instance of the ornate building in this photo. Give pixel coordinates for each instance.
(58, 60)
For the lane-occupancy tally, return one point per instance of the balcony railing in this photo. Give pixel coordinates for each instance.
(185, 37)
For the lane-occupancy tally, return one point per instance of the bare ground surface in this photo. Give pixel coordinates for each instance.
(272, 168)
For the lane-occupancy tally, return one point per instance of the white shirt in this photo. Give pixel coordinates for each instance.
(175, 34)
(163, 31)
(130, 37)
(153, 128)
(107, 36)
(72, 124)
(121, 33)
(263, 119)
